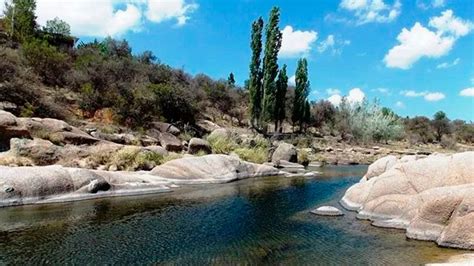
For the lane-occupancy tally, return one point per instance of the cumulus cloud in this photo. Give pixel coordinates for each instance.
(400, 104)
(158, 11)
(332, 91)
(111, 17)
(296, 43)
(292, 80)
(427, 95)
(89, 17)
(468, 92)
(333, 45)
(335, 99)
(355, 96)
(434, 96)
(366, 11)
(449, 64)
(426, 4)
(420, 41)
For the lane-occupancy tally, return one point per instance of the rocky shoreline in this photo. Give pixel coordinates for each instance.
(48, 184)
(431, 198)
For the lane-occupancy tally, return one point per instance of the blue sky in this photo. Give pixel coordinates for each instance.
(415, 56)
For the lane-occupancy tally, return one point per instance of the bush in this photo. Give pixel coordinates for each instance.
(173, 104)
(368, 122)
(133, 158)
(50, 64)
(448, 142)
(303, 157)
(254, 155)
(222, 145)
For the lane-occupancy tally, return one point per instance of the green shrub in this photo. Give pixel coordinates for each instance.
(254, 155)
(303, 157)
(448, 142)
(50, 64)
(222, 145)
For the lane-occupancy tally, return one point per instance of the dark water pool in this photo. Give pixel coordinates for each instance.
(259, 221)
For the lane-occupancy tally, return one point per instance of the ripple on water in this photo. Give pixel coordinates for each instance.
(259, 221)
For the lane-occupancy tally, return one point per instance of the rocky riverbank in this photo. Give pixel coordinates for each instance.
(431, 198)
(47, 184)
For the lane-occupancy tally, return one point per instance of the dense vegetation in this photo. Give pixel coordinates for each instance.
(105, 80)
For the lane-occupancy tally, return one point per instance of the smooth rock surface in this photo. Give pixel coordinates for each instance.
(46, 184)
(214, 168)
(285, 152)
(197, 145)
(327, 211)
(432, 198)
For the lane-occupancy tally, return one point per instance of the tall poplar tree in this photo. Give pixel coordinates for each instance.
(280, 99)
(255, 79)
(301, 93)
(270, 63)
(20, 19)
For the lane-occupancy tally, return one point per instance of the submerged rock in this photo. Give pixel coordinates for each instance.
(432, 198)
(327, 211)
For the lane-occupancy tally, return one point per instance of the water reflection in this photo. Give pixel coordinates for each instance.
(249, 222)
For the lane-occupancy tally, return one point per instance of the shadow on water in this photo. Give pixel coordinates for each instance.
(263, 221)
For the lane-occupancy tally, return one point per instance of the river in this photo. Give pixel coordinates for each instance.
(256, 221)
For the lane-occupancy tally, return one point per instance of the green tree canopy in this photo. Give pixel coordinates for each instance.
(20, 19)
(57, 26)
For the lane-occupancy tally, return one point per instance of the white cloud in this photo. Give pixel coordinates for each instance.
(335, 99)
(111, 17)
(400, 104)
(89, 17)
(158, 11)
(355, 95)
(292, 80)
(367, 11)
(332, 91)
(449, 64)
(296, 43)
(2, 7)
(434, 96)
(425, 4)
(419, 41)
(385, 91)
(427, 95)
(468, 92)
(412, 93)
(438, 3)
(330, 43)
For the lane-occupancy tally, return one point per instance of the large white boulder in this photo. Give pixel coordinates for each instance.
(432, 197)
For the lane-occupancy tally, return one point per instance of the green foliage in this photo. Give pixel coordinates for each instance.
(270, 63)
(254, 155)
(368, 122)
(441, 125)
(419, 130)
(20, 19)
(301, 93)
(255, 79)
(464, 132)
(222, 145)
(50, 64)
(324, 113)
(231, 79)
(303, 157)
(134, 158)
(173, 104)
(57, 26)
(280, 99)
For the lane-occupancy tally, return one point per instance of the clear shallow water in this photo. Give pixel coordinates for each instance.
(258, 221)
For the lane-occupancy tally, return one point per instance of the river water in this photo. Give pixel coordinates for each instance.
(256, 221)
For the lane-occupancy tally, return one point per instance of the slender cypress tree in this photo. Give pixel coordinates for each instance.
(307, 114)
(255, 80)
(231, 79)
(301, 93)
(282, 87)
(270, 63)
